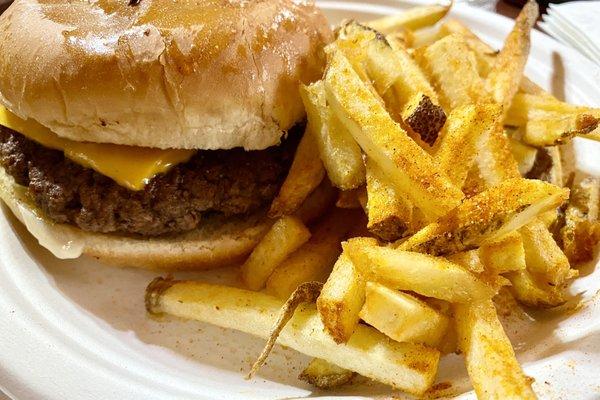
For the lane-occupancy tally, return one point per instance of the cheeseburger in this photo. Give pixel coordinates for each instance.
(152, 133)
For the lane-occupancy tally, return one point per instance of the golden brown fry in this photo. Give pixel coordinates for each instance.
(396, 77)
(402, 317)
(494, 159)
(406, 366)
(505, 77)
(559, 130)
(524, 155)
(581, 233)
(285, 236)
(456, 150)
(533, 292)
(543, 257)
(325, 375)
(413, 18)
(305, 175)
(390, 212)
(314, 260)
(490, 359)
(444, 61)
(468, 259)
(486, 55)
(526, 107)
(340, 154)
(341, 299)
(420, 273)
(407, 166)
(504, 255)
(487, 216)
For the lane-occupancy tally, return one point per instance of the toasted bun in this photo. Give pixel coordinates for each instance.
(218, 243)
(168, 74)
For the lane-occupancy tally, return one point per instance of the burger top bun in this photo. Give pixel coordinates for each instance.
(196, 74)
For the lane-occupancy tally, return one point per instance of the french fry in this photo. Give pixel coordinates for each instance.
(341, 299)
(306, 173)
(494, 158)
(390, 212)
(561, 120)
(315, 259)
(507, 71)
(421, 38)
(325, 375)
(339, 152)
(504, 255)
(402, 317)
(456, 149)
(421, 273)
(543, 256)
(486, 217)
(414, 18)
(524, 155)
(581, 232)
(446, 59)
(468, 259)
(490, 359)
(526, 107)
(285, 236)
(559, 130)
(485, 54)
(397, 79)
(532, 292)
(407, 366)
(317, 203)
(407, 166)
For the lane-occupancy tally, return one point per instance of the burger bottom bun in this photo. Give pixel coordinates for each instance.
(219, 242)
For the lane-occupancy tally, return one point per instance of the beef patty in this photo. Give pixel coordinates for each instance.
(229, 182)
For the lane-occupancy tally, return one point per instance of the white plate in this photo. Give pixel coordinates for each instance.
(78, 330)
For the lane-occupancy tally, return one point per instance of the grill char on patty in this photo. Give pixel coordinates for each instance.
(228, 182)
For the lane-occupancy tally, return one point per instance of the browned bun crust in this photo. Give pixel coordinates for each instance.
(209, 74)
(217, 243)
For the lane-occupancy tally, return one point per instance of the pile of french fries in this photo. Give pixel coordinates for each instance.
(429, 180)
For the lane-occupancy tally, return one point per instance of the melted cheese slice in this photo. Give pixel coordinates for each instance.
(129, 166)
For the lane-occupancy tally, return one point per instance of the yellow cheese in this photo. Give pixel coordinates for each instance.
(129, 166)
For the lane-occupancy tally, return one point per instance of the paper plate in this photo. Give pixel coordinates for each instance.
(78, 330)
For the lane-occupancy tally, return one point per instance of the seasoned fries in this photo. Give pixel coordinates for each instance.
(406, 366)
(503, 80)
(285, 236)
(427, 275)
(406, 164)
(314, 260)
(443, 61)
(450, 198)
(402, 317)
(415, 18)
(487, 216)
(305, 175)
(396, 78)
(494, 370)
(340, 154)
(341, 299)
(457, 148)
(390, 212)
